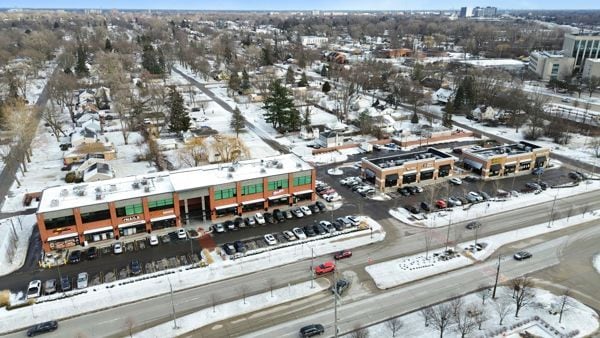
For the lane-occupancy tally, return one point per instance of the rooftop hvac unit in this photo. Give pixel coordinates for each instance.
(279, 165)
(263, 170)
(54, 203)
(113, 187)
(98, 189)
(135, 185)
(231, 169)
(98, 195)
(229, 175)
(298, 165)
(80, 192)
(147, 188)
(144, 181)
(64, 192)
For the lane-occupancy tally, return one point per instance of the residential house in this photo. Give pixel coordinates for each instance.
(485, 113)
(84, 151)
(442, 96)
(95, 169)
(330, 139)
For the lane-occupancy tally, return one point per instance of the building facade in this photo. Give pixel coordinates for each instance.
(506, 159)
(548, 66)
(313, 40)
(99, 211)
(591, 68)
(391, 172)
(581, 47)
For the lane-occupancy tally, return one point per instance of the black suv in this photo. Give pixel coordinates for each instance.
(42, 328)
(278, 215)
(74, 257)
(136, 268)
(312, 330)
(92, 252)
(320, 205)
(269, 218)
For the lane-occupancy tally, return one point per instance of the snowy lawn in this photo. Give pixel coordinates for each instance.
(539, 318)
(236, 308)
(136, 288)
(596, 263)
(14, 240)
(410, 268)
(459, 214)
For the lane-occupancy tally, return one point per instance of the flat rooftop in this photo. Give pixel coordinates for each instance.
(400, 159)
(78, 195)
(509, 150)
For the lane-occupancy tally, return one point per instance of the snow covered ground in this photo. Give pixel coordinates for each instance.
(459, 214)
(410, 268)
(135, 288)
(14, 240)
(538, 318)
(596, 262)
(236, 308)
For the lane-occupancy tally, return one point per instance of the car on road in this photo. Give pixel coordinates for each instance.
(425, 206)
(91, 253)
(74, 257)
(117, 248)
(259, 218)
(269, 218)
(229, 248)
(565, 100)
(278, 215)
(473, 225)
(299, 233)
(270, 239)
(312, 330)
(298, 213)
(521, 255)
(65, 283)
(309, 231)
(50, 286)
(340, 286)
(239, 246)
(289, 235)
(153, 240)
(250, 221)
(135, 267)
(82, 280)
(230, 225)
(42, 328)
(342, 254)
(181, 234)
(476, 196)
(34, 289)
(456, 181)
(325, 268)
(305, 210)
(219, 228)
(441, 204)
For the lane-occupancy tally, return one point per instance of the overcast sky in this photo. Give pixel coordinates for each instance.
(301, 4)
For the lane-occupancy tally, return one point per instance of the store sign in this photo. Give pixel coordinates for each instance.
(167, 212)
(278, 192)
(496, 161)
(60, 230)
(130, 218)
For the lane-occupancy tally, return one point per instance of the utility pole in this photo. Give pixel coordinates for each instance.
(448, 233)
(173, 305)
(497, 275)
(312, 271)
(335, 304)
(552, 212)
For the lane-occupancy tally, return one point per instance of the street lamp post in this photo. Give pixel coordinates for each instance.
(552, 212)
(335, 305)
(172, 305)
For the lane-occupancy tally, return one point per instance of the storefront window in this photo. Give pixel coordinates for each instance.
(225, 193)
(59, 222)
(302, 180)
(95, 216)
(130, 210)
(252, 189)
(160, 204)
(99, 236)
(280, 184)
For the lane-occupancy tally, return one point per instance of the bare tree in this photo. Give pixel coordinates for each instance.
(484, 293)
(479, 314)
(502, 307)
(523, 295)
(213, 301)
(394, 325)
(193, 153)
(426, 313)
(229, 148)
(359, 332)
(457, 304)
(129, 325)
(595, 144)
(441, 317)
(428, 236)
(54, 120)
(465, 322)
(566, 303)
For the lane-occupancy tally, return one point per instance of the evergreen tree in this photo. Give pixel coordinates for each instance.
(303, 80)
(237, 122)
(151, 60)
(289, 76)
(447, 117)
(179, 119)
(459, 99)
(56, 24)
(470, 95)
(324, 71)
(67, 70)
(80, 67)
(245, 85)
(267, 55)
(326, 87)
(414, 118)
(306, 118)
(281, 112)
(234, 82)
(364, 122)
(108, 45)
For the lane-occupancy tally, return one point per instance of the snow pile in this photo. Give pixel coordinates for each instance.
(410, 268)
(14, 241)
(236, 308)
(596, 263)
(576, 317)
(150, 285)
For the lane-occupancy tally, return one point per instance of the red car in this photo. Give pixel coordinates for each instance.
(343, 254)
(325, 268)
(441, 204)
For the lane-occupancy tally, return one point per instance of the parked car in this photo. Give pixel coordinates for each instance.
(425, 206)
(342, 254)
(319, 229)
(544, 185)
(117, 248)
(327, 226)
(325, 268)
(338, 226)
(135, 267)
(456, 181)
(471, 198)
(82, 280)
(471, 178)
(344, 221)
(259, 218)
(230, 225)
(34, 289)
(250, 221)
(353, 220)
(74, 257)
(311, 330)
(298, 213)
(239, 246)
(462, 199)
(239, 222)
(91, 253)
(476, 196)
(299, 233)
(521, 255)
(289, 235)
(270, 239)
(153, 240)
(288, 214)
(278, 215)
(403, 191)
(42, 328)
(305, 210)
(219, 228)
(320, 205)
(269, 218)
(538, 171)
(229, 248)
(412, 189)
(181, 234)
(65, 283)
(532, 186)
(50, 286)
(441, 204)
(473, 225)
(574, 176)
(314, 208)
(309, 231)
(340, 286)
(332, 197)
(453, 201)
(485, 195)
(412, 209)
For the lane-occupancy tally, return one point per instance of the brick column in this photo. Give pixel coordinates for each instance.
(78, 225)
(113, 218)
(176, 209)
(146, 214)
(266, 193)
(42, 228)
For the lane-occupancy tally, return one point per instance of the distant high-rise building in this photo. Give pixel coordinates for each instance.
(582, 46)
(465, 12)
(485, 12)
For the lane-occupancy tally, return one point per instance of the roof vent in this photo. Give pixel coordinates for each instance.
(263, 170)
(231, 169)
(147, 188)
(113, 187)
(135, 185)
(80, 192)
(64, 192)
(98, 195)
(279, 165)
(298, 165)
(144, 181)
(229, 175)
(54, 203)
(98, 189)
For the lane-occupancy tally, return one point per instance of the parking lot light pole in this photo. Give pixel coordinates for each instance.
(173, 305)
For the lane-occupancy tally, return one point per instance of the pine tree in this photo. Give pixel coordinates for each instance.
(289, 76)
(414, 118)
(364, 122)
(303, 81)
(324, 71)
(234, 82)
(80, 67)
(281, 112)
(306, 118)
(108, 45)
(326, 87)
(267, 55)
(180, 121)
(245, 85)
(459, 99)
(238, 121)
